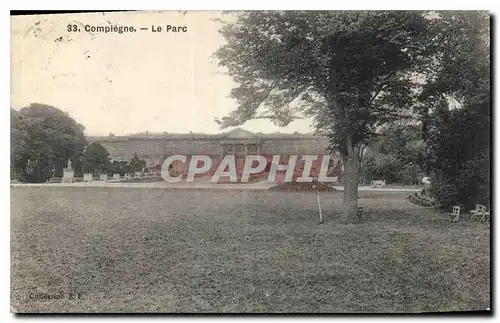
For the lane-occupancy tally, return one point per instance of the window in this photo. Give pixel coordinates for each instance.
(252, 149)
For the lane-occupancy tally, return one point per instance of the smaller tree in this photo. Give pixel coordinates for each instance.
(136, 164)
(118, 167)
(95, 159)
(395, 154)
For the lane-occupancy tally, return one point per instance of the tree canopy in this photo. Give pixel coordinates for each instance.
(344, 65)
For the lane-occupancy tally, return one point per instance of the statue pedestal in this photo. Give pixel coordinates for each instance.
(68, 176)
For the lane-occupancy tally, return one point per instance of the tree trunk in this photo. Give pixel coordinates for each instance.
(351, 168)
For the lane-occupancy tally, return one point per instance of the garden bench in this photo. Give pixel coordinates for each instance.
(485, 217)
(480, 213)
(477, 212)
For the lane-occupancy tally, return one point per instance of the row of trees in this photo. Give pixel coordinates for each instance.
(355, 72)
(44, 138)
(95, 159)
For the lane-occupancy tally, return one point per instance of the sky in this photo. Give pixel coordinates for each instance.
(131, 82)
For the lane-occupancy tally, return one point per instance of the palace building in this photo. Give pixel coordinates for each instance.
(154, 148)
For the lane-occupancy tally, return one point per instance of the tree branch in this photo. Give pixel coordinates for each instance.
(382, 85)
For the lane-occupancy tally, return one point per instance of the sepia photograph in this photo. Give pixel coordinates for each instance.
(250, 162)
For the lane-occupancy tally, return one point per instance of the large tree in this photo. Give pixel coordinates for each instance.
(43, 138)
(350, 71)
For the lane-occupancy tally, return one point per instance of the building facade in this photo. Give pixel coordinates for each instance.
(154, 148)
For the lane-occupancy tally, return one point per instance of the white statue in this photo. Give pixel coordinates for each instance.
(69, 164)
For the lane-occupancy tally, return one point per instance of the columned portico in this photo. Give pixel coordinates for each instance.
(240, 142)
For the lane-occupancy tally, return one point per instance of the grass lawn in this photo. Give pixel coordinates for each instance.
(166, 250)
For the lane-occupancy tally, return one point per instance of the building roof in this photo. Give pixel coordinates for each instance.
(237, 133)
